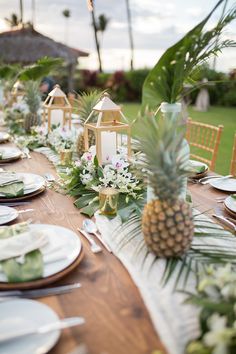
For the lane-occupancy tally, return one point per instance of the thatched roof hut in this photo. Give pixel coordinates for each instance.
(25, 45)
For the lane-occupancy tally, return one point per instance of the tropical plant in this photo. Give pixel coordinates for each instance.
(13, 20)
(166, 80)
(86, 102)
(40, 69)
(167, 219)
(101, 25)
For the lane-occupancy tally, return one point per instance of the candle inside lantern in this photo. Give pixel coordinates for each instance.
(108, 146)
(108, 201)
(57, 117)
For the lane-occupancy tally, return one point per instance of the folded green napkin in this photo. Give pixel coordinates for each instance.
(31, 265)
(11, 185)
(197, 167)
(233, 196)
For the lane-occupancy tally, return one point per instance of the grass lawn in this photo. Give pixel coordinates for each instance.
(215, 116)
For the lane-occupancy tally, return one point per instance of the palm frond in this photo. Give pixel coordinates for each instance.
(165, 81)
(199, 256)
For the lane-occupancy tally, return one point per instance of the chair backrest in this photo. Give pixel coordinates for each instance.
(205, 138)
(233, 160)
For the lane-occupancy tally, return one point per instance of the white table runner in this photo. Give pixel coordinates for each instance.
(176, 323)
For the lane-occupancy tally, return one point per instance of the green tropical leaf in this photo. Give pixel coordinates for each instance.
(165, 81)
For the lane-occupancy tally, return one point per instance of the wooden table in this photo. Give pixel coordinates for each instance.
(117, 321)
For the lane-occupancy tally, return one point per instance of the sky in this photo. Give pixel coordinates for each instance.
(157, 24)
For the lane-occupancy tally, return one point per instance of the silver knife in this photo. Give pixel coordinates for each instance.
(225, 221)
(56, 290)
(61, 324)
(206, 181)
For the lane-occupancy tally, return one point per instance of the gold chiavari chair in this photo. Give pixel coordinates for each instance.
(233, 159)
(204, 139)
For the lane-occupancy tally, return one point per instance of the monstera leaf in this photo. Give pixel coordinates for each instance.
(165, 81)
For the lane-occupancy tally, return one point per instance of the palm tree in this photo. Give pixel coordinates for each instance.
(66, 14)
(94, 25)
(21, 12)
(130, 35)
(102, 24)
(13, 21)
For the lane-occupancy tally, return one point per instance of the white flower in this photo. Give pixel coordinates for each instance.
(78, 163)
(86, 178)
(118, 162)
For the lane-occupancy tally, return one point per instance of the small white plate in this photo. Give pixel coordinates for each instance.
(226, 185)
(7, 214)
(18, 314)
(32, 183)
(4, 137)
(9, 153)
(230, 203)
(63, 248)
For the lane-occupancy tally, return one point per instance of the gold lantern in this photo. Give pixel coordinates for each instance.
(109, 131)
(57, 108)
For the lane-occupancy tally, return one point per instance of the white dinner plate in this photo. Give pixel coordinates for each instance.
(18, 314)
(7, 214)
(63, 248)
(230, 203)
(9, 153)
(32, 183)
(4, 137)
(226, 185)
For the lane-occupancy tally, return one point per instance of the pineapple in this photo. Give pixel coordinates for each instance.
(86, 102)
(167, 221)
(33, 100)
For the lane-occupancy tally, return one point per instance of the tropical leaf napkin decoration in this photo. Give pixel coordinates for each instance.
(30, 268)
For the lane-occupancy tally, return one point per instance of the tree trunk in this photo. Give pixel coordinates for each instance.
(130, 35)
(21, 12)
(96, 40)
(71, 71)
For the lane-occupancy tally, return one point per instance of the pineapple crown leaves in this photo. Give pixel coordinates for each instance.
(32, 96)
(160, 142)
(166, 80)
(86, 102)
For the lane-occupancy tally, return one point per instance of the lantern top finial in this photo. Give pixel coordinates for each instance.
(57, 92)
(106, 104)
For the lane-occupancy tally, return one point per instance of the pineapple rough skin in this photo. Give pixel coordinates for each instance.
(168, 229)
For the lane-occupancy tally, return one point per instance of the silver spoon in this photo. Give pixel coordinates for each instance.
(91, 228)
(93, 246)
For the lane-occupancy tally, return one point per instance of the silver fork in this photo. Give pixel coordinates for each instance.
(95, 248)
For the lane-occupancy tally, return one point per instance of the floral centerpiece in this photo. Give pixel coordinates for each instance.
(217, 300)
(14, 117)
(86, 178)
(62, 138)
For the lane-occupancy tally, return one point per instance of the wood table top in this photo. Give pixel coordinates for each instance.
(117, 321)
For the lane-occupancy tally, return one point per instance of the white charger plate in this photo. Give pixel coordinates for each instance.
(18, 314)
(9, 214)
(62, 250)
(226, 185)
(31, 181)
(9, 153)
(230, 203)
